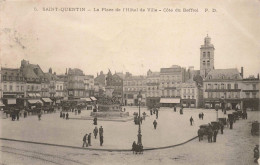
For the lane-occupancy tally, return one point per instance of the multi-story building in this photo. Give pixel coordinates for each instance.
(115, 82)
(52, 79)
(1, 92)
(222, 88)
(89, 85)
(132, 86)
(190, 94)
(13, 85)
(59, 89)
(170, 85)
(76, 88)
(99, 84)
(206, 57)
(152, 88)
(250, 93)
(64, 80)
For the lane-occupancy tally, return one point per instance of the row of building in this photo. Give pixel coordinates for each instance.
(207, 87)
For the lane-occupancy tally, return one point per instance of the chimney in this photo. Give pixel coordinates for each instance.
(242, 72)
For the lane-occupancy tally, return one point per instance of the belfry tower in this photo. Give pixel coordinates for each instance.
(206, 57)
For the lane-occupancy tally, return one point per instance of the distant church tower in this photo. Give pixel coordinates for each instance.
(206, 57)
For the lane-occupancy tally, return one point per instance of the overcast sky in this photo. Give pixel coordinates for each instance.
(134, 42)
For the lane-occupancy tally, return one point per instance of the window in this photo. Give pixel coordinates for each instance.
(204, 63)
(236, 86)
(28, 87)
(192, 91)
(5, 87)
(222, 86)
(11, 88)
(17, 88)
(208, 63)
(208, 54)
(210, 77)
(254, 86)
(21, 88)
(254, 95)
(60, 87)
(247, 95)
(204, 54)
(229, 86)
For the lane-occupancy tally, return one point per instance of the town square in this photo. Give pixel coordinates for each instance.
(129, 83)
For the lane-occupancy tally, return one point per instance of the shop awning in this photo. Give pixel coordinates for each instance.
(86, 99)
(93, 98)
(37, 95)
(1, 104)
(47, 100)
(31, 95)
(34, 101)
(170, 100)
(11, 101)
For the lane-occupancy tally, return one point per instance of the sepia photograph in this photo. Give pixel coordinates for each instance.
(173, 82)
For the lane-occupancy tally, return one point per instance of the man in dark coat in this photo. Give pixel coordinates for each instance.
(256, 153)
(134, 147)
(101, 138)
(215, 133)
(202, 115)
(231, 123)
(89, 139)
(85, 140)
(174, 108)
(157, 113)
(221, 127)
(210, 132)
(155, 124)
(151, 112)
(95, 121)
(101, 131)
(95, 131)
(60, 114)
(67, 116)
(191, 120)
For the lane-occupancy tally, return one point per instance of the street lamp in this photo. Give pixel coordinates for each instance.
(139, 142)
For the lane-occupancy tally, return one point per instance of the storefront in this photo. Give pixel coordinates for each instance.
(169, 102)
(47, 101)
(188, 103)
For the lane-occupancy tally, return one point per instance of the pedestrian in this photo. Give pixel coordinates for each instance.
(202, 115)
(221, 127)
(101, 139)
(17, 116)
(63, 115)
(89, 139)
(95, 131)
(95, 121)
(215, 133)
(175, 108)
(85, 140)
(157, 113)
(210, 135)
(24, 114)
(231, 123)
(191, 120)
(13, 116)
(144, 114)
(60, 114)
(151, 112)
(155, 124)
(134, 147)
(39, 115)
(101, 131)
(256, 153)
(76, 111)
(199, 115)
(67, 116)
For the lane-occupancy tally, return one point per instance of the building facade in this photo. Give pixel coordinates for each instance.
(132, 86)
(170, 85)
(89, 85)
(222, 88)
(189, 94)
(115, 82)
(76, 88)
(250, 93)
(153, 93)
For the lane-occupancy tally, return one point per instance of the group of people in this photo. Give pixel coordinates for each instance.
(63, 115)
(87, 137)
(201, 115)
(154, 111)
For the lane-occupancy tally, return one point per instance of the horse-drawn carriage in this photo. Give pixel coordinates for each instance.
(204, 130)
(223, 120)
(255, 128)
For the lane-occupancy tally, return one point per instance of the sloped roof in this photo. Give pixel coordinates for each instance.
(51, 76)
(32, 71)
(224, 74)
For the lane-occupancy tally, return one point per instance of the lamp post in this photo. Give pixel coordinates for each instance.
(139, 142)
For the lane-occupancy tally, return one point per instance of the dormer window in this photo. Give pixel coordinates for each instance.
(210, 77)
